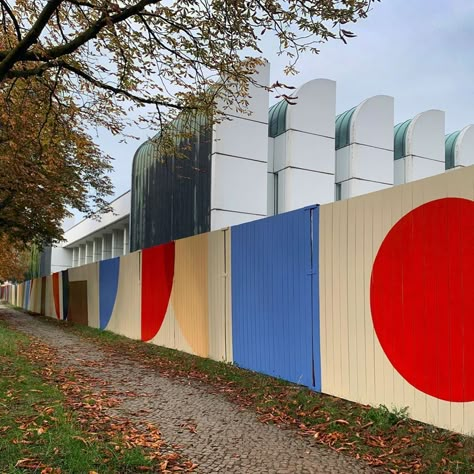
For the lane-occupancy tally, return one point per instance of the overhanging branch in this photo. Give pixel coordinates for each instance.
(30, 38)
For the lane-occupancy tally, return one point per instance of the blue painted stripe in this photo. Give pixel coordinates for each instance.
(275, 296)
(108, 284)
(26, 297)
(315, 296)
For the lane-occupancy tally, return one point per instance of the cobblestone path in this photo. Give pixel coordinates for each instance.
(226, 439)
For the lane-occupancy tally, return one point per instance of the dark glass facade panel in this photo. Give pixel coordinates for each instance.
(171, 194)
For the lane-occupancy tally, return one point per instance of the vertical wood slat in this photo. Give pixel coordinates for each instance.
(272, 304)
(369, 219)
(126, 313)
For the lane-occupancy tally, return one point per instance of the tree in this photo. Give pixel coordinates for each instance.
(67, 66)
(48, 163)
(14, 260)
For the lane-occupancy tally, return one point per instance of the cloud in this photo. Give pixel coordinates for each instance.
(418, 51)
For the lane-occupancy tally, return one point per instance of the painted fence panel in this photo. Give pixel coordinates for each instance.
(89, 276)
(185, 295)
(27, 294)
(368, 299)
(49, 309)
(396, 299)
(125, 297)
(273, 312)
(219, 287)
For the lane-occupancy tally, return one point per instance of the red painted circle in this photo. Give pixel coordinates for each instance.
(422, 298)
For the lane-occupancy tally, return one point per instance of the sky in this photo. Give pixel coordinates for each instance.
(418, 51)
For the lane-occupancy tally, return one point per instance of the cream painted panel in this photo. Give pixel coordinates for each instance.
(170, 332)
(126, 314)
(190, 295)
(341, 275)
(369, 218)
(49, 299)
(217, 285)
(37, 295)
(228, 293)
(325, 300)
(166, 335)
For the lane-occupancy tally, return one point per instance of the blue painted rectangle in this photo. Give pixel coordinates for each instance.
(26, 297)
(108, 285)
(275, 296)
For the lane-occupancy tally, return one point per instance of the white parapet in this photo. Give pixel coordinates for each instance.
(420, 147)
(302, 138)
(364, 143)
(460, 148)
(239, 160)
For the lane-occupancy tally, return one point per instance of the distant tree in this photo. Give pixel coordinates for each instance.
(69, 66)
(14, 260)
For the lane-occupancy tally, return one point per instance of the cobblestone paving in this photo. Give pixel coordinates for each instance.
(209, 430)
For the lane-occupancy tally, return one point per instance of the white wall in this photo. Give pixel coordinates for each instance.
(366, 164)
(424, 148)
(89, 227)
(304, 155)
(239, 161)
(464, 148)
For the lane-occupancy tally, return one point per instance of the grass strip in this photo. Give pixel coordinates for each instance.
(54, 420)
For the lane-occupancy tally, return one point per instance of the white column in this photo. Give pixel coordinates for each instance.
(106, 246)
(420, 147)
(82, 254)
(117, 242)
(126, 243)
(89, 251)
(75, 256)
(97, 249)
(239, 161)
(303, 146)
(364, 158)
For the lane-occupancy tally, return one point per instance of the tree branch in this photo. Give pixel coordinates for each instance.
(81, 39)
(31, 37)
(118, 90)
(7, 8)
